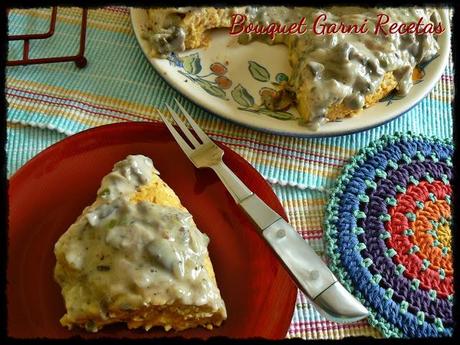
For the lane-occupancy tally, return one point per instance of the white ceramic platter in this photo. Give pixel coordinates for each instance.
(225, 78)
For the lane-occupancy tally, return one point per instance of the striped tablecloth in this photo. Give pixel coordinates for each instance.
(49, 102)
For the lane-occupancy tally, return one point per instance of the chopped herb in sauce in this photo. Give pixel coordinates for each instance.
(111, 224)
(104, 193)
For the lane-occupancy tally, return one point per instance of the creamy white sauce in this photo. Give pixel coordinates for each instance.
(126, 176)
(345, 67)
(157, 248)
(129, 255)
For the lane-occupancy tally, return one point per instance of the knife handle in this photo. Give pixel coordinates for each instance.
(311, 274)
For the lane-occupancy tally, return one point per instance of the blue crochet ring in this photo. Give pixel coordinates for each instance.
(373, 231)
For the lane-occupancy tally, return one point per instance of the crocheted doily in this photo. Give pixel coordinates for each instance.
(388, 234)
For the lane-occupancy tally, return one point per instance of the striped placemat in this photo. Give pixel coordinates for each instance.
(49, 102)
(119, 84)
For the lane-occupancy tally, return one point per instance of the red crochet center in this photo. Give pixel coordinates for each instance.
(401, 243)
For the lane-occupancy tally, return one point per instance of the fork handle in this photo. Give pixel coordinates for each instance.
(307, 269)
(235, 186)
(311, 274)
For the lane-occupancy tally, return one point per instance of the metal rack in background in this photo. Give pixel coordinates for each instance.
(79, 59)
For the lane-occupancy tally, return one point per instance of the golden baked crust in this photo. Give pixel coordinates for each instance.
(90, 298)
(157, 192)
(196, 22)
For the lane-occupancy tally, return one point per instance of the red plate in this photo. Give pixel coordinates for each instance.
(50, 191)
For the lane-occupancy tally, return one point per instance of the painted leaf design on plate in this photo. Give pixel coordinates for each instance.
(212, 89)
(174, 60)
(258, 72)
(280, 115)
(192, 63)
(280, 77)
(242, 96)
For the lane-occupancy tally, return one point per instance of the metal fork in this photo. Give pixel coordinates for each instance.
(205, 154)
(311, 274)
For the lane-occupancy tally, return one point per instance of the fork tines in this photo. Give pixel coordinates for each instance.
(188, 134)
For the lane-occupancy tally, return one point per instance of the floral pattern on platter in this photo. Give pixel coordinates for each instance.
(246, 101)
(190, 67)
(216, 83)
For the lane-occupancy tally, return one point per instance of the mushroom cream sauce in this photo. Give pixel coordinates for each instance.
(335, 68)
(135, 254)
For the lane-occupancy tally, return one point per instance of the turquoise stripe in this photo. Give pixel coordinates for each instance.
(24, 143)
(24, 23)
(61, 43)
(107, 52)
(428, 117)
(62, 125)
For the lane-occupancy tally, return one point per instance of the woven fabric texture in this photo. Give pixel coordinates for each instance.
(119, 84)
